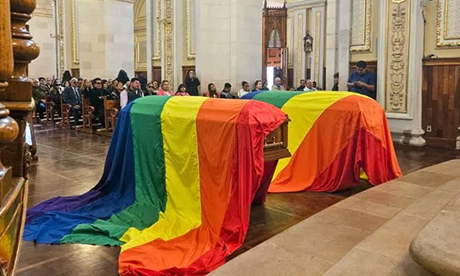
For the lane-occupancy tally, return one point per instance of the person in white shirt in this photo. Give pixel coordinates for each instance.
(309, 86)
(244, 89)
(123, 94)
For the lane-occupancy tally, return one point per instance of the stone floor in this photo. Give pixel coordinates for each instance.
(368, 233)
(71, 163)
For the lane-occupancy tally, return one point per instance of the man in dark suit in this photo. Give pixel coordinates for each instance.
(71, 96)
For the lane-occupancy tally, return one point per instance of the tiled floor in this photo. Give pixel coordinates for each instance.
(367, 234)
(71, 163)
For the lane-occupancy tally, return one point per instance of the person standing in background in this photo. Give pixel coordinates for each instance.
(362, 81)
(192, 83)
(336, 82)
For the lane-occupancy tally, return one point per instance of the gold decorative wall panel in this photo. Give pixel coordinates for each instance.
(75, 57)
(60, 36)
(317, 44)
(299, 49)
(361, 26)
(398, 32)
(168, 41)
(290, 34)
(448, 23)
(157, 51)
(190, 28)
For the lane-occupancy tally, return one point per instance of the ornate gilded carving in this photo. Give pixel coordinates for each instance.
(447, 22)
(398, 51)
(75, 58)
(60, 36)
(317, 44)
(189, 33)
(157, 56)
(361, 29)
(168, 40)
(299, 39)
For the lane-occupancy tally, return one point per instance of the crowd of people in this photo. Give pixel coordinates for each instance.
(125, 90)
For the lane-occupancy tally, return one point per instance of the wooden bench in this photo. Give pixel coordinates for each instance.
(88, 115)
(111, 110)
(65, 114)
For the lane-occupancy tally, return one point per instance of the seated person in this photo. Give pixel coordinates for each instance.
(244, 89)
(71, 96)
(39, 95)
(277, 86)
(258, 86)
(309, 86)
(362, 81)
(165, 89)
(212, 91)
(227, 92)
(95, 97)
(132, 92)
(301, 86)
(181, 91)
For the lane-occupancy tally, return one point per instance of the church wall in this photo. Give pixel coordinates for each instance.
(109, 47)
(42, 27)
(365, 22)
(230, 50)
(452, 20)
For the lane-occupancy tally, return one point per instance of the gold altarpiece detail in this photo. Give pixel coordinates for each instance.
(398, 32)
(168, 31)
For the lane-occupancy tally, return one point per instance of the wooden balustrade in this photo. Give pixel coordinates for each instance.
(16, 51)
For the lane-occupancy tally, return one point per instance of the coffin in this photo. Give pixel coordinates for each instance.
(177, 157)
(276, 144)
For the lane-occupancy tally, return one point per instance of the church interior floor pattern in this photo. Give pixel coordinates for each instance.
(71, 163)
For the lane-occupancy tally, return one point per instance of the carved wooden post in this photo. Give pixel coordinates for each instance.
(8, 127)
(16, 47)
(18, 96)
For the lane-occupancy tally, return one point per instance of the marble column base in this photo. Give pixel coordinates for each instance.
(458, 141)
(410, 137)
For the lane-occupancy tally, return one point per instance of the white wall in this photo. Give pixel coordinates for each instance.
(41, 26)
(228, 35)
(106, 38)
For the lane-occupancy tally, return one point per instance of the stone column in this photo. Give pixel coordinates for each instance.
(331, 43)
(344, 43)
(228, 33)
(399, 85)
(106, 39)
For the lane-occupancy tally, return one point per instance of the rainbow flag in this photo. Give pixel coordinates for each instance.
(333, 137)
(176, 192)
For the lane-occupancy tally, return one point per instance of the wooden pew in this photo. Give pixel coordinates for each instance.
(87, 111)
(65, 114)
(111, 110)
(16, 97)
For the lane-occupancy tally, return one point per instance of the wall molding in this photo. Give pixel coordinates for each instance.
(189, 31)
(364, 22)
(306, 4)
(443, 24)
